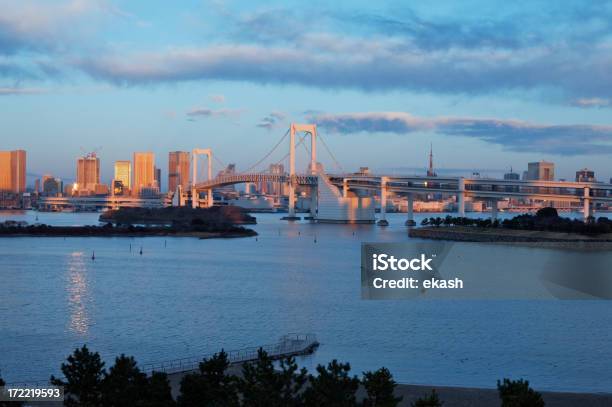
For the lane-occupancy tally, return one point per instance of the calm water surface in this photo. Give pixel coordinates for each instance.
(184, 297)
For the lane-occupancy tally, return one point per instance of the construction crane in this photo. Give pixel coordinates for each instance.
(91, 154)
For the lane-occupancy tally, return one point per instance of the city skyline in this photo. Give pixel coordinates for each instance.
(521, 83)
(88, 180)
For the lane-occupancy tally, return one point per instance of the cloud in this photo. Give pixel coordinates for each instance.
(546, 47)
(592, 102)
(374, 64)
(21, 91)
(512, 135)
(39, 25)
(271, 121)
(217, 98)
(206, 112)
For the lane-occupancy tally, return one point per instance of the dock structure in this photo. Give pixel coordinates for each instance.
(289, 345)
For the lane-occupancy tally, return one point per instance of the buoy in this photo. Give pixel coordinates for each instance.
(93, 255)
(141, 250)
(256, 239)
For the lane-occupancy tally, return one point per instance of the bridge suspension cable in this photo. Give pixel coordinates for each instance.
(268, 154)
(338, 165)
(221, 163)
(300, 142)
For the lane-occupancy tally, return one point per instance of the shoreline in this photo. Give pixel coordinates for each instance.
(103, 231)
(485, 397)
(500, 235)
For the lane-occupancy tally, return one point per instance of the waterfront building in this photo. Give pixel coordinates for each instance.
(13, 171)
(52, 186)
(123, 173)
(178, 170)
(541, 171)
(144, 174)
(585, 175)
(88, 174)
(230, 189)
(37, 185)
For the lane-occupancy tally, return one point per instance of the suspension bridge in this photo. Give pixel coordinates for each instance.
(339, 196)
(335, 197)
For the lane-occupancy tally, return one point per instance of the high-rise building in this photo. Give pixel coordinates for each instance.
(178, 170)
(585, 175)
(541, 171)
(512, 176)
(227, 189)
(18, 164)
(13, 171)
(276, 188)
(52, 186)
(123, 173)
(144, 174)
(158, 177)
(6, 175)
(88, 174)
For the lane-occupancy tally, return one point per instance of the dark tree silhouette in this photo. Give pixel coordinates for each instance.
(8, 403)
(211, 386)
(431, 400)
(380, 388)
(159, 392)
(517, 393)
(332, 386)
(84, 373)
(262, 385)
(547, 212)
(125, 385)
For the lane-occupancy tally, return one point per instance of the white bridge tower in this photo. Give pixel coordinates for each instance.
(195, 198)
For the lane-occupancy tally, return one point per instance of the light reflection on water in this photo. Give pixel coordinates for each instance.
(194, 296)
(77, 287)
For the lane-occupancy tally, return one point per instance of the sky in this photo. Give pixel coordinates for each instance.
(490, 85)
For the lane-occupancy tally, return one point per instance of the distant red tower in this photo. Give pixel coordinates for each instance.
(430, 170)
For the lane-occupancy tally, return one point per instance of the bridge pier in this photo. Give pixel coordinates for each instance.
(383, 202)
(209, 198)
(461, 198)
(291, 208)
(410, 211)
(195, 197)
(314, 201)
(587, 203)
(493, 210)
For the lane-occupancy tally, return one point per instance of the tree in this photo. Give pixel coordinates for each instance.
(547, 212)
(159, 392)
(8, 403)
(517, 393)
(124, 385)
(431, 400)
(263, 385)
(380, 387)
(332, 386)
(210, 387)
(84, 373)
